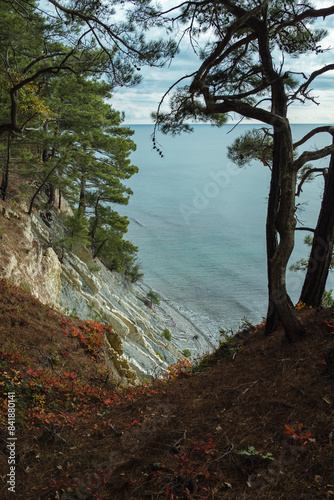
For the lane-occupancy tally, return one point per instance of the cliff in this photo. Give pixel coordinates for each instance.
(77, 284)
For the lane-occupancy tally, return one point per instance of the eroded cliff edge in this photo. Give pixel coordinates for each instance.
(76, 284)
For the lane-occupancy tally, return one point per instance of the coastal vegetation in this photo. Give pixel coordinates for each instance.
(166, 334)
(152, 298)
(59, 135)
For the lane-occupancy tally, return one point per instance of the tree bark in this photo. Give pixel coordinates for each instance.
(51, 193)
(5, 175)
(279, 107)
(96, 253)
(96, 221)
(322, 246)
(44, 182)
(82, 198)
(285, 225)
(45, 152)
(272, 319)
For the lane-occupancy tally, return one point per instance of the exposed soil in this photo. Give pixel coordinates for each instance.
(82, 436)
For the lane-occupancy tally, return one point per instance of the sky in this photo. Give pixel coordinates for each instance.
(139, 102)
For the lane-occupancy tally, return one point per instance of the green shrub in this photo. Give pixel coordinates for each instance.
(327, 298)
(94, 268)
(25, 286)
(186, 353)
(166, 334)
(134, 274)
(160, 355)
(152, 298)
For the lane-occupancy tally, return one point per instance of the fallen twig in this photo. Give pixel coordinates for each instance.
(55, 434)
(237, 387)
(115, 431)
(175, 447)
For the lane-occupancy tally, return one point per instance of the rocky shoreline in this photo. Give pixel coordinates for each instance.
(77, 284)
(185, 334)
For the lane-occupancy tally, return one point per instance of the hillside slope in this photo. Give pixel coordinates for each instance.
(81, 434)
(74, 282)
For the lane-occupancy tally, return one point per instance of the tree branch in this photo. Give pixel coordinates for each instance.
(187, 3)
(53, 169)
(91, 18)
(312, 156)
(317, 130)
(305, 176)
(303, 87)
(310, 13)
(39, 59)
(305, 229)
(228, 105)
(243, 95)
(243, 17)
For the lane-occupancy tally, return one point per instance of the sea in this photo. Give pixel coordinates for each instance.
(199, 223)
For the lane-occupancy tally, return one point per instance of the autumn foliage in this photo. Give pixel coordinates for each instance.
(221, 426)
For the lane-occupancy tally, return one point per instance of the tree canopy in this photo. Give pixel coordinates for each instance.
(59, 65)
(40, 41)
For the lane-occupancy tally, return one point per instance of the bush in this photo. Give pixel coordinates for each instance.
(327, 298)
(166, 334)
(160, 356)
(186, 353)
(152, 298)
(134, 273)
(77, 230)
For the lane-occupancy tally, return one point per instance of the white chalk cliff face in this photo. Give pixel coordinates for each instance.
(77, 284)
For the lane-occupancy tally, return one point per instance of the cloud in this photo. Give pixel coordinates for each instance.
(139, 102)
(313, 113)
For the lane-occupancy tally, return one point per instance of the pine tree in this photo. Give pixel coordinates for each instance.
(241, 72)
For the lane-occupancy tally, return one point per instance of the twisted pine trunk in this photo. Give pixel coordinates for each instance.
(285, 222)
(322, 246)
(272, 319)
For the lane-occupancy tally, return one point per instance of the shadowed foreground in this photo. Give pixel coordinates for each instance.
(81, 435)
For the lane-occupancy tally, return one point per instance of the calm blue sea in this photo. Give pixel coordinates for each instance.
(199, 223)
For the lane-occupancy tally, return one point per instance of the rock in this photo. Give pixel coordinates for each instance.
(51, 270)
(115, 342)
(64, 205)
(82, 269)
(80, 285)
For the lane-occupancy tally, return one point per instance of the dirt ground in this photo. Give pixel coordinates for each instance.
(254, 420)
